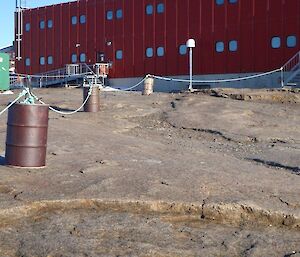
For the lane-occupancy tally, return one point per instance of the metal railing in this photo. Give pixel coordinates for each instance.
(69, 73)
(61, 76)
(290, 69)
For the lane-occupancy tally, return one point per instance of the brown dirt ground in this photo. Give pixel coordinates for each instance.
(161, 175)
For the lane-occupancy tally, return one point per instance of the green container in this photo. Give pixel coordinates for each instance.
(4, 71)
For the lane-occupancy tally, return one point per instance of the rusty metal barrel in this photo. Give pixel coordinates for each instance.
(92, 104)
(26, 137)
(148, 86)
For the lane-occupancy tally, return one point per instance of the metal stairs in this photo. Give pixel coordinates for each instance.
(295, 81)
(290, 75)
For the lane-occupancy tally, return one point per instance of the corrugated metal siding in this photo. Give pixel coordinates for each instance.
(251, 23)
(246, 36)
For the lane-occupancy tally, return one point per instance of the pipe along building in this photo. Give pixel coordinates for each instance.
(234, 38)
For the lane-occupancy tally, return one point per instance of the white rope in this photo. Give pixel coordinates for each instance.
(13, 102)
(68, 113)
(220, 80)
(136, 85)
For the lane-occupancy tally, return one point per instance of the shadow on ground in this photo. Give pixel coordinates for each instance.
(295, 170)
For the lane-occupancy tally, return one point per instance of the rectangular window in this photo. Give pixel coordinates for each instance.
(160, 51)
(42, 60)
(74, 58)
(27, 61)
(27, 27)
(276, 42)
(119, 14)
(149, 9)
(291, 41)
(74, 20)
(50, 60)
(109, 15)
(82, 57)
(42, 24)
(82, 19)
(182, 49)
(119, 54)
(220, 47)
(149, 52)
(160, 8)
(50, 24)
(233, 46)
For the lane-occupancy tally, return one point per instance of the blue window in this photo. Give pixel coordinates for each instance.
(50, 24)
(182, 49)
(160, 8)
(50, 60)
(149, 9)
(149, 52)
(42, 24)
(119, 54)
(42, 60)
(219, 2)
(160, 51)
(232, 1)
(74, 20)
(291, 41)
(82, 57)
(27, 61)
(82, 19)
(119, 14)
(27, 27)
(74, 58)
(276, 42)
(233, 46)
(219, 46)
(109, 15)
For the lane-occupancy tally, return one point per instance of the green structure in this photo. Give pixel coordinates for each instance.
(4, 71)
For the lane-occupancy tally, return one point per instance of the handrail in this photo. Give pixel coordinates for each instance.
(54, 76)
(63, 75)
(290, 69)
(88, 69)
(292, 60)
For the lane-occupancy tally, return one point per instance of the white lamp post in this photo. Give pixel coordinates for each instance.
(191, 44)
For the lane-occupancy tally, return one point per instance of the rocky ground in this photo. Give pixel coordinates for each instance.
(209, 173)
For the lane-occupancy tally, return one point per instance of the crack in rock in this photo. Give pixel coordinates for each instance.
(271, 164)
(210, 131)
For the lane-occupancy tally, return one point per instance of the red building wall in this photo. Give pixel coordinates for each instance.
(251, 23)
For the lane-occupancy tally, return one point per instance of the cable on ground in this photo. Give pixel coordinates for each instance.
(220, 80)
(71, 112)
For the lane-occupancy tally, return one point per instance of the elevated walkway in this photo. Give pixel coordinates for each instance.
(70, 74)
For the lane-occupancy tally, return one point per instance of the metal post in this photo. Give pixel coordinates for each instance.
(191, 44)
(191, 69)
(282, 79)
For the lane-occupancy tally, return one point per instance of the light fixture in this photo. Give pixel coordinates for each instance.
(191, 44)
